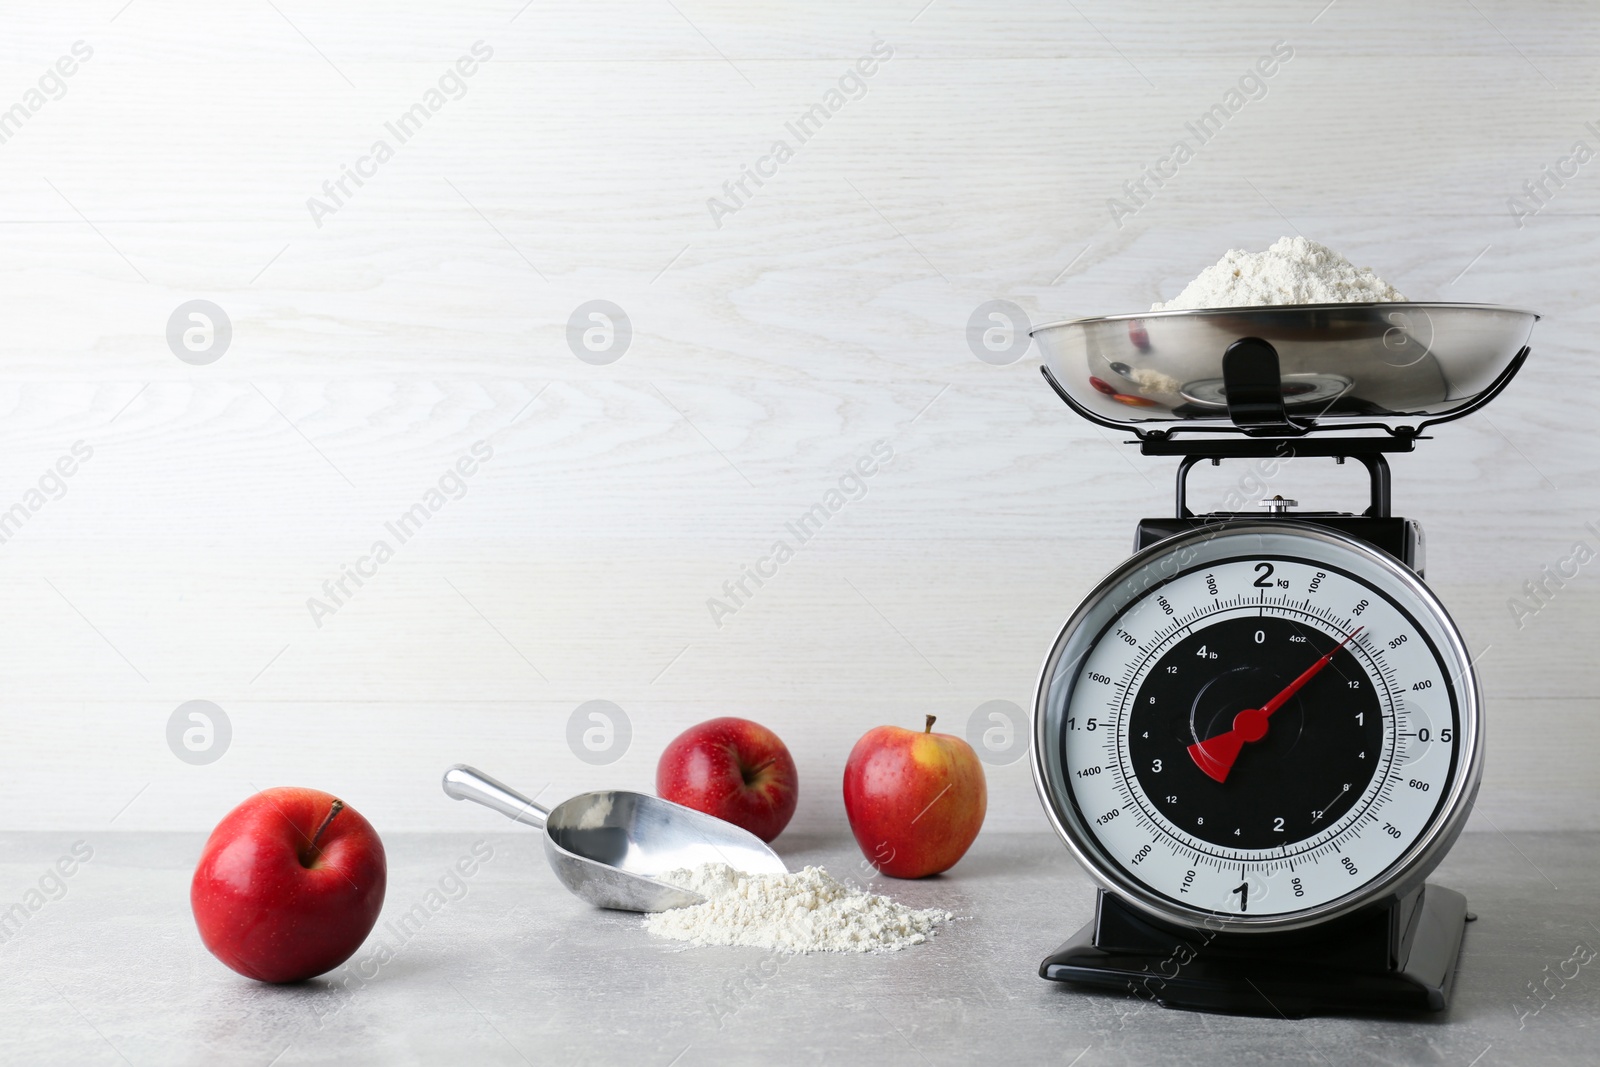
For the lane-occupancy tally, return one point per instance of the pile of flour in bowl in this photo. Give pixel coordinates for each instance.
(806, 911)
(1293, 271)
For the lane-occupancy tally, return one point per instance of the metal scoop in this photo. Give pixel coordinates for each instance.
(609, 847)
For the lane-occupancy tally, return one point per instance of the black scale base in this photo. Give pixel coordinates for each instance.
(1396, 956)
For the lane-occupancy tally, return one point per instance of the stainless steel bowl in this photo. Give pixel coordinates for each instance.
(1337, 361)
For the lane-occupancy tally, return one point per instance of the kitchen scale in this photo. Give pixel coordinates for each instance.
(1262, 732)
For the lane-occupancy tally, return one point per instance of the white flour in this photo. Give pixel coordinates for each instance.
(1293, 271)
(804, 912)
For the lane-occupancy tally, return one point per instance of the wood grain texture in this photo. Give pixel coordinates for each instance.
(769, 353)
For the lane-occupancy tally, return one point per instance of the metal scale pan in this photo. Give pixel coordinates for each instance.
(1332, 365)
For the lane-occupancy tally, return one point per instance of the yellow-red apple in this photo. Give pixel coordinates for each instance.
(915, 801)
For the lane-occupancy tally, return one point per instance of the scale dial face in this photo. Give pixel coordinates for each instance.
(1258, 726)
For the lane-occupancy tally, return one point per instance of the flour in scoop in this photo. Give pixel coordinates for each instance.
(807, 911)
(1293, 271)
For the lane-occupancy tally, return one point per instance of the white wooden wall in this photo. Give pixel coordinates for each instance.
(828, 313)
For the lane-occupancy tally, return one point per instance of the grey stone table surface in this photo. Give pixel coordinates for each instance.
(505, 967)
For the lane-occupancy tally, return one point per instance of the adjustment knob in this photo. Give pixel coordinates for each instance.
(1277, 505)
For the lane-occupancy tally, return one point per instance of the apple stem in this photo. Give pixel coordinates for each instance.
(338, 806)
(928, 729)
(750, 775)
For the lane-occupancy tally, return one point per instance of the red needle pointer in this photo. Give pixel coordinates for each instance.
(1215, 757)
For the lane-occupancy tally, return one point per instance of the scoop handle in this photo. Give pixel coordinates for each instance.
(462, 782)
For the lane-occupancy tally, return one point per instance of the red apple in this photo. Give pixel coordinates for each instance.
(734, 769)
(915, 800)
(289, 885)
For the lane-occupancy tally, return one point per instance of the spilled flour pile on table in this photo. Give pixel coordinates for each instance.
(1293, 271)
(803, 912)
